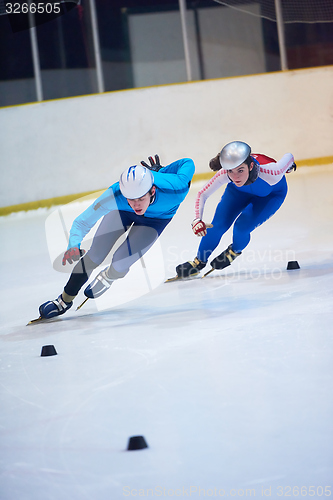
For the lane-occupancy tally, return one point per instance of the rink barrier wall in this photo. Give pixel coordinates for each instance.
(48, 147)
(63, 200)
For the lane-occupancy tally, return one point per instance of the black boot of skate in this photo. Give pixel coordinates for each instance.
(190, 268)
(100, 285)
(54, 308)
(102, 282)
(224, 259)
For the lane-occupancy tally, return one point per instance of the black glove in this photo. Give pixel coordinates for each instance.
(154, 165)
(290, 169)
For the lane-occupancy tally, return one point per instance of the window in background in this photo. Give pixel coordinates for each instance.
(141, 43)
(17, 84)
(114, 45)
(309, 44)
(66, 55)
(225, 42)
(306, 26)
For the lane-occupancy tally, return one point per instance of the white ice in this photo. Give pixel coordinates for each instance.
(228, 378)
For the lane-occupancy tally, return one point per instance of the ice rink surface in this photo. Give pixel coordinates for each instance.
(228, 378)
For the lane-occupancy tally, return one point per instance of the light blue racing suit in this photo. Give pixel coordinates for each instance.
(172, 184)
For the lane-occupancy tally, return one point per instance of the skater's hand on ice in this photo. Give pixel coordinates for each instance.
(199, 227)
(155, 165)
(71, 255)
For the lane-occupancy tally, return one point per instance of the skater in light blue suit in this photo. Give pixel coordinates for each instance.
(145, 200)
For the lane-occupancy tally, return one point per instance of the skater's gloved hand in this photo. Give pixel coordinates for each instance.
(290, 169)
(71, 255)
(155, 165)
(199, 227)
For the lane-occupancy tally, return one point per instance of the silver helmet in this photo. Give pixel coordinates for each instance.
(234, 154)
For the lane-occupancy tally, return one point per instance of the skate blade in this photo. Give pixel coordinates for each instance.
(79, 307)
(178, 278)
(37, 320)
(175, 278)
(210, 271)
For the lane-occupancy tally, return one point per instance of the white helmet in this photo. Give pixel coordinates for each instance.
(234, 154)
(135, 182)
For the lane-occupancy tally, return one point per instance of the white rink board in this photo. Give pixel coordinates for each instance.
(76, 145)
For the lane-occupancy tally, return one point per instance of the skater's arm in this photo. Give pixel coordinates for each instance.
(175, 177)
(85, 221)
(272, 173)
(215, 182)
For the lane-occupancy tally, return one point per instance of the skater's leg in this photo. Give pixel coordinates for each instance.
(231, 205)
(258, 212)
(112, 226)
(108, 232)
(139, 240)
(79, 277)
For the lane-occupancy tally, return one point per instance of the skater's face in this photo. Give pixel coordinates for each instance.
(240, 175)
(140, 205)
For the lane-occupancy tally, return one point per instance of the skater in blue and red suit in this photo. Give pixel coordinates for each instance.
(256, 188)
(145, 200)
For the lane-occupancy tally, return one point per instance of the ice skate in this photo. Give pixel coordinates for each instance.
(53, 308)
(100, 285)
(189, 269)
(223, 260)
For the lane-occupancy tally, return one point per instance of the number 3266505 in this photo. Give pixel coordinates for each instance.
(39, 8)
